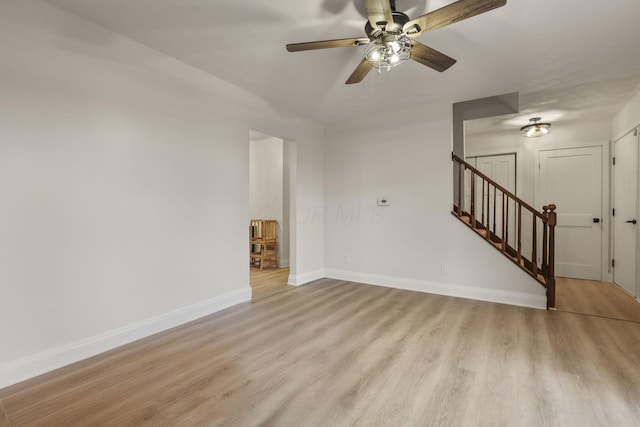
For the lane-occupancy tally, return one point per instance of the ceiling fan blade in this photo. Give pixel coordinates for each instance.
(454, 12)
(326, 44)
(430, 57)
(360, 72)
(378, 11)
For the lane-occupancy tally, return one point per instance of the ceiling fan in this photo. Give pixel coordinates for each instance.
(390, 35)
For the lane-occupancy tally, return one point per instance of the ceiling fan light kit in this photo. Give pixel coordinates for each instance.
(387, 52)
(390, 35)
(535, 128)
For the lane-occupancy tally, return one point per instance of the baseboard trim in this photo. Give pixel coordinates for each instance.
(283, 263)
(303, 279)
(453, 290)
(32, 366)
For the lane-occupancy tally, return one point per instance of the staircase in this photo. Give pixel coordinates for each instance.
(523, 234)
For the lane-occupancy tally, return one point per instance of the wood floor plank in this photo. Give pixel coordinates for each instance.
(595, 298)
(165, 360)
(340, 353)
(4, 419)
(268, 280)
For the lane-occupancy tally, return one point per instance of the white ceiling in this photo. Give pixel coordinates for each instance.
(569, 59)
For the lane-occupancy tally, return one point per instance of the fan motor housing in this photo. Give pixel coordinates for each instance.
(395, 27)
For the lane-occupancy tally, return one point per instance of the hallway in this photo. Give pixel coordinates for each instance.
(594, 298)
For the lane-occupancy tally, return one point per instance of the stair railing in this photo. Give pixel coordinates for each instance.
(522, 233)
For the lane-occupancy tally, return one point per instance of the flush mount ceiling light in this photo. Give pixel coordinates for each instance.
(535, 128)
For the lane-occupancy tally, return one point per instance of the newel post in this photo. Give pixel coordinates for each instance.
(552, 219)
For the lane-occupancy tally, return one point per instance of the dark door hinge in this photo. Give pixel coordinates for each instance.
(613, 263)
(613, 212)
(614, 161)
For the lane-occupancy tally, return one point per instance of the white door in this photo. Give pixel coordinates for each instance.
(625, 203)
(501, 168)
(572, 180)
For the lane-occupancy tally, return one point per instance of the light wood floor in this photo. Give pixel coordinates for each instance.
(339, 354)
(268, 280)
(595, 298)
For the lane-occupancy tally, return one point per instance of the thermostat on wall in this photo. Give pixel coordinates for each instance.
(383, 201)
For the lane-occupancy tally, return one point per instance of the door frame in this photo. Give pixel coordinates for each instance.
(519, 159)
(636, 132)
(605, 249)
(512, 153)
(289, 215)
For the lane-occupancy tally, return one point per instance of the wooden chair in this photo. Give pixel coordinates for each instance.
(263, 242)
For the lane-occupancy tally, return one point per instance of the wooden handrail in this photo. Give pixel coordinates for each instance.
(498, 186)
(486, 224)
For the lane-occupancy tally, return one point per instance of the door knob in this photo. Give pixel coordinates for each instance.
(633, 221)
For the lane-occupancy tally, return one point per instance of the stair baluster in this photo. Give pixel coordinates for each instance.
(473, 200)
(493, 224)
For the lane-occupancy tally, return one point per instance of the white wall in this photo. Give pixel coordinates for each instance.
(406, 157)
(267, 189)
(627, 118)
(124, 189)
(563, 135)
(265, 179)
(284, 257)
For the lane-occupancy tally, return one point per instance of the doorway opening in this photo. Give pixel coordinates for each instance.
(269, 202)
